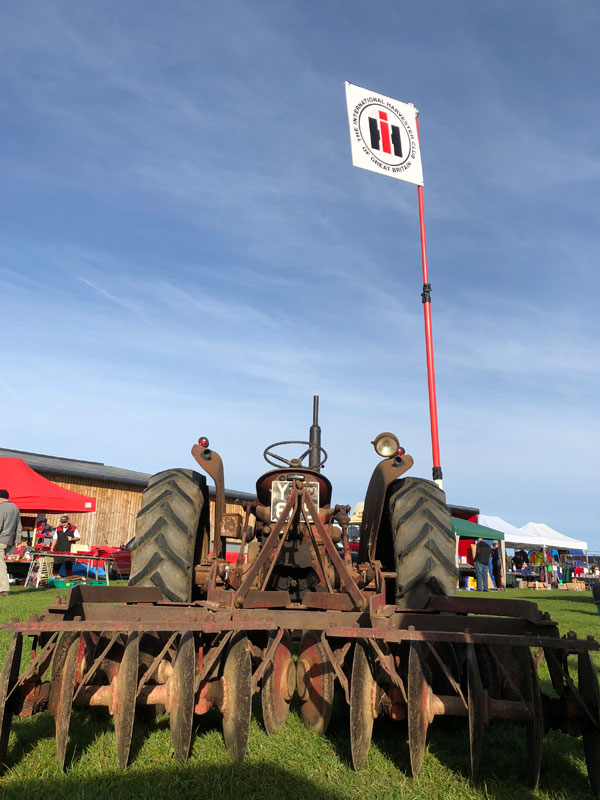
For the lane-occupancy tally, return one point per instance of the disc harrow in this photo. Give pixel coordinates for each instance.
(300, 618)
(91, 650)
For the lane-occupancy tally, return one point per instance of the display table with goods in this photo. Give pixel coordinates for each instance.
(118, 561)
(43, 569)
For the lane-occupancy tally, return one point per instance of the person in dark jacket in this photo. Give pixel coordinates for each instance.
(497, 565)
(520, 559)
(482, 564)
(62, 540)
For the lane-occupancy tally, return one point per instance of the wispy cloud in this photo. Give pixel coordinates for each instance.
(188, 249)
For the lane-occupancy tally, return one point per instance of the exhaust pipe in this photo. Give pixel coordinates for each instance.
(315, 438)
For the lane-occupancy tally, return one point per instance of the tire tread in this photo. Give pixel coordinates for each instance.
(166, 529)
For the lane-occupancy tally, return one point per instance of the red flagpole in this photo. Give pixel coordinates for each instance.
(426, 298)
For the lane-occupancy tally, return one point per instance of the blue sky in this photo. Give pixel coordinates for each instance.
(186, 249)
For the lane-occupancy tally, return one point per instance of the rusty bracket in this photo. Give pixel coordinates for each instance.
(211, 660)
(266, 550)
(335, 663)
(276, 552)
(154, 665)
(386, 661)
(336, 560)
(240, 558)
(266, 661)
(451, 679)
(324, 577)
(39, 657)
(96, 662)
(579, 699)
(509, 680)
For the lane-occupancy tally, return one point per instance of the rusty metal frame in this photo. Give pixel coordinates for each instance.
(211, 660)
(386, 662)
(336, 560)
(449, 676)
(267, 658)
(337, 666)
(267, 548)
(97, 661)
(155, 663)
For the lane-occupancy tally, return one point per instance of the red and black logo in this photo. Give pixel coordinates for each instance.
(384, 136)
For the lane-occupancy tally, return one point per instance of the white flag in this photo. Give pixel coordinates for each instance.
(383, 134)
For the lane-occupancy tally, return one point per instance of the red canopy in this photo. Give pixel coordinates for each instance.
(30, 492)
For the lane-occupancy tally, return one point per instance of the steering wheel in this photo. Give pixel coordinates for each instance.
(268, 455)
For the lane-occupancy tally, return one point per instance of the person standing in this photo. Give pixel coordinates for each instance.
(482, 564)
(64, 537)
(10, 526)
(497, 565)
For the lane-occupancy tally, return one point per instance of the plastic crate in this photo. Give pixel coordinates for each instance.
(63, 583)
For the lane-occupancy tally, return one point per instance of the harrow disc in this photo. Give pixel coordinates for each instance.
(278, 686)
(418, 707)
(236, 703)
(62, 687)
(590, 693)
(477, 717)
(363, 706)
(534, 728)
(124, 695)
(315, 682)
(182, 694)
(8, 678)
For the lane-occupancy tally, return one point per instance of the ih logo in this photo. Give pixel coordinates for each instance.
(384, 136)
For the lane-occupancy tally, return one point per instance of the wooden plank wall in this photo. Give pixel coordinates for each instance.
(117, 505)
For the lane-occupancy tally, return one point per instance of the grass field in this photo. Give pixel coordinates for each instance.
(294, 763)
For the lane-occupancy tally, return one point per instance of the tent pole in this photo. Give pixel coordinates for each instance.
(92, 530)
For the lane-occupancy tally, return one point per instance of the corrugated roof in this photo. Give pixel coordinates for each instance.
(96, 470)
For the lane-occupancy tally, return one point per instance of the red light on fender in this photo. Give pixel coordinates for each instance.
(401, 451)
(203, 441)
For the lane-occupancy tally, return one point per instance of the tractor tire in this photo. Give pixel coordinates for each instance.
(162, 553)
(424, 545)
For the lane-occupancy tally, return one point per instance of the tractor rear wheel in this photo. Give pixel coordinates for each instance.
(162, 553)
(424, 545)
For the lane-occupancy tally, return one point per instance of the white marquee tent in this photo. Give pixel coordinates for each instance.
(552, 538)
(531, 536)
(513, 536)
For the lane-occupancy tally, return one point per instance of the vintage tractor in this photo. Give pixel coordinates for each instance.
(288, 612)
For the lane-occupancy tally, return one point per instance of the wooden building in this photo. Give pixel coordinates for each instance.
(118, 494)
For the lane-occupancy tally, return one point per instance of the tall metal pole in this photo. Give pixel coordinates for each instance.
(426, 298)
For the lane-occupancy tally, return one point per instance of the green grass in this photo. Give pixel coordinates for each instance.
(294, 763)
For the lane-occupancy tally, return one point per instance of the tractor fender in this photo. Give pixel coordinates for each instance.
(385, 473)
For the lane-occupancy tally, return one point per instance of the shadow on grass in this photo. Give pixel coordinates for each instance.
(39, 590)
(503, 769)
(249, 781)
(505, 757)
(85, 728)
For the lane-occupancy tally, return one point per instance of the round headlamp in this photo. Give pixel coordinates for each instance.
(386, 445)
